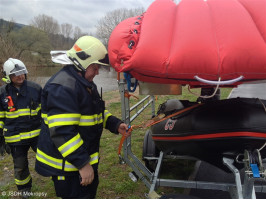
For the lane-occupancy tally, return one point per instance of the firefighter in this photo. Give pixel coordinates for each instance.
(20, 119)
(74, 117)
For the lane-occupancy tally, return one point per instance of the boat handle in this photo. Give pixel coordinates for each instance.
(227, 82)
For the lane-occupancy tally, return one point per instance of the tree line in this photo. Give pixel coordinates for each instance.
(33, 43)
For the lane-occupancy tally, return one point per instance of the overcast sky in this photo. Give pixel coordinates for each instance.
(82, 13)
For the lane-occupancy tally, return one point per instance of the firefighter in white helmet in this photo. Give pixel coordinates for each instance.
(13, 67)
(74, 117)
(20, 119)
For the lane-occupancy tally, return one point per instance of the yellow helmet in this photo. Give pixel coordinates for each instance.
(86, 51)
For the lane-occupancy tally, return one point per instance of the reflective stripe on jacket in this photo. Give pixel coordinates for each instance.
(22, 136)
(60, 164)
(73, 119)
(24, 123)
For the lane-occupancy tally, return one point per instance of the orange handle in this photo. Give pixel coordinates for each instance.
(123, 139)
(121, 143)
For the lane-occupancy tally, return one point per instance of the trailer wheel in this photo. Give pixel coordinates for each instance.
(149, 151)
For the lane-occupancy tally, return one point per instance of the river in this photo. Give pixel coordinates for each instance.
(107, 80)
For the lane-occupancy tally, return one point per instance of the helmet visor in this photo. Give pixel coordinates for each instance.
(18, 70)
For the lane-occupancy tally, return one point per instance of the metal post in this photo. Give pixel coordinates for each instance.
(138, 167)
(248, 188)
(238, 193)
(156, 173)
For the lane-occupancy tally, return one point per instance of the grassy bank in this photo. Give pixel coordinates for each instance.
(114, 180)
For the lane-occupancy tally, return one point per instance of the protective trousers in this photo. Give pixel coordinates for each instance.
(19, 153)
(68, 187)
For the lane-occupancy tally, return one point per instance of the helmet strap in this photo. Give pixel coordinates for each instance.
(78, 66)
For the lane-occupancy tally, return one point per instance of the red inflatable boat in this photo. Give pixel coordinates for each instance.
(200, 43)
(196, 42)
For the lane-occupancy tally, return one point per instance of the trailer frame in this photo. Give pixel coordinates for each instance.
(152, 180)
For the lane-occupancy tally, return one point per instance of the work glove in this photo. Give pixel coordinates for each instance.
(4, 148)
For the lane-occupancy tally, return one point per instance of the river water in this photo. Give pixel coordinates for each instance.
(107, 79)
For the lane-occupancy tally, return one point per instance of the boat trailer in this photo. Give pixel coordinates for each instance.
(253, 171)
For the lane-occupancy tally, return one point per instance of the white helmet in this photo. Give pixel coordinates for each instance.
(86, 51)
(14, 66)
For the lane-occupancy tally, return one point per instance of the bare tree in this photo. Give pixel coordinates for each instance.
(50, 26)
(46, 23)
(107, 24)
(77, 33)
(66, 30)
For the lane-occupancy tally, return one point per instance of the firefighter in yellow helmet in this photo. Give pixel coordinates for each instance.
(74, 117)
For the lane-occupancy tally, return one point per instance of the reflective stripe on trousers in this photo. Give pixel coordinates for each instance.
(23, 182)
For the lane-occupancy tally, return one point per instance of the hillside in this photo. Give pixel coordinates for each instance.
(4, 23)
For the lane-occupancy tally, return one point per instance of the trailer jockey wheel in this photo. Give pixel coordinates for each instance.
(149, 152)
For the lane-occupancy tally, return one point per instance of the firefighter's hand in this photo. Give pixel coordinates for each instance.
(87, 175)
(124, 130)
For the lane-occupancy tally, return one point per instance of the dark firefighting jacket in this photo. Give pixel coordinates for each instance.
(74, 116)
(20, 122)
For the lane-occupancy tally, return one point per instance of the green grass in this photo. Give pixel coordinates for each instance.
(114, 180)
